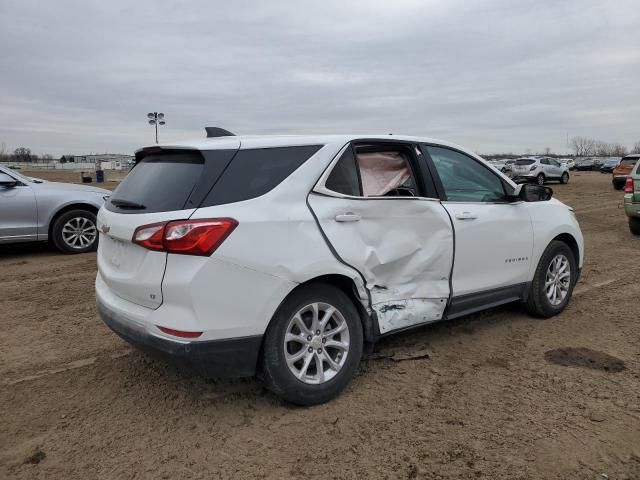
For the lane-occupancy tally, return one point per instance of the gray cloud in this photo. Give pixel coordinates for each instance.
(79, 76)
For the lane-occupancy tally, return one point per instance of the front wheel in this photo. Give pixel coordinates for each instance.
(553, 281)
(313, 345)
(540, 179)
(75, 232)
(564, 178)
(634, 225)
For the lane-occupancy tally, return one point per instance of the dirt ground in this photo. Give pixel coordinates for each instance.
(493, 395)
(111, 177)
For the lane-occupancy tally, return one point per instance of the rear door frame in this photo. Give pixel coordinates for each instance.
(426, 187)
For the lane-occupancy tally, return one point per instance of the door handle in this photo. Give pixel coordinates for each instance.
(348, 217)
(466, 216)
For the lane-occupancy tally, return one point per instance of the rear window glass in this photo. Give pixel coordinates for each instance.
(254, 172)
(629, 161)
(158, 183)
(524, 162)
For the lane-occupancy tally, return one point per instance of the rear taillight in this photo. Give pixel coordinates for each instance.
(186, 237)
(628, 185)
(533, 167)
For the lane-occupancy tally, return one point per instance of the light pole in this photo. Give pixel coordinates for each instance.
(156, 119)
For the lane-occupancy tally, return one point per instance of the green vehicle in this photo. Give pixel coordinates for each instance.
(632, 199)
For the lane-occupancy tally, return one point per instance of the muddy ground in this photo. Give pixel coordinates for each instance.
(486, 402)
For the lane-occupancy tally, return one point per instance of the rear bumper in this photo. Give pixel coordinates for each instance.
(236, 357)
(632, 209)
(619, 180)
(524, 178)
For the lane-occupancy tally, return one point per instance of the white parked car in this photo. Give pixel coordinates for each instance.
(539, 170)
(282, 255)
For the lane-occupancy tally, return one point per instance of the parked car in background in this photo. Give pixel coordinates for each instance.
(587, 164)
(632, 198)
(356, 241)
(569, 162)
(62, 213)
(609, 164)
(539, 170)
(622, 170)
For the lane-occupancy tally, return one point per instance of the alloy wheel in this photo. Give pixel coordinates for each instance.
(316, 343)
(558, 279)
(79, 232)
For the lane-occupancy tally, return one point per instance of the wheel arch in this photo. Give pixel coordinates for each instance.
(571, 242)
(349, 288)
(67, 208)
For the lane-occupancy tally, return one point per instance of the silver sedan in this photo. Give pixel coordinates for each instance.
(62, 213)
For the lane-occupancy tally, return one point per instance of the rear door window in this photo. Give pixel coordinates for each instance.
(375, 170)
(158, 183)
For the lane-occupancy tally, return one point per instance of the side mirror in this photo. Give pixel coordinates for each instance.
(528, 192)
(7, 181)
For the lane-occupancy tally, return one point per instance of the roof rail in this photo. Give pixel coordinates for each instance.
(218, 132)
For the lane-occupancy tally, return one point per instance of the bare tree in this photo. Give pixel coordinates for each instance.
(617, 150)
(22, 154)
(602, 149)
(547, 150)
(635, 148)
(583, 146)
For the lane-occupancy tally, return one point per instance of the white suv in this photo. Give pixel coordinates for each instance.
(540, 170)
(283, 255)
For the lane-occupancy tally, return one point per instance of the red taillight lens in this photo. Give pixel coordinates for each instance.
(180, 333)
(150, 236)
(187, 237)
(197, 237)
(628, 185)
(533, 167)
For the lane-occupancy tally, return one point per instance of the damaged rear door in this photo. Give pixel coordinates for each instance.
(380, 216)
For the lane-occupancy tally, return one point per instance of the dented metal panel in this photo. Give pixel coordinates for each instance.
(402, 246)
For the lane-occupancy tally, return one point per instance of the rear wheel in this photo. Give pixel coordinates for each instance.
(618, 186)
(75, 232)
(553, 281)
(540, 179)
(634, 225)
(564, 178)
(313, 345)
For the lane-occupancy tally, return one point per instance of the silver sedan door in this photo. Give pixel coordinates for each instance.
(18, 211)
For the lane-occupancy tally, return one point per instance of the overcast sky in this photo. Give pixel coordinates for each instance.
(79, 77)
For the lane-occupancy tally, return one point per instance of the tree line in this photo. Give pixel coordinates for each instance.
(23, 154)
(587, 147)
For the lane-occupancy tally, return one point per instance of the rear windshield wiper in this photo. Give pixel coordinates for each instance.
(127, 204)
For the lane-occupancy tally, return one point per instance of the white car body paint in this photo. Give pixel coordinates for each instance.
(493, 245)
(399, 255)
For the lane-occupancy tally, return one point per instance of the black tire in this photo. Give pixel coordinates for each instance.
(57, 231)
(540, 179)
(634, 225)
(618, 186)
(564, 179)
(537, 302)
(276, 373)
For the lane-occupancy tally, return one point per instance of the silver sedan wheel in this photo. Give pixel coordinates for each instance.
(79, 232)
(558, 279)
(316, 343)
